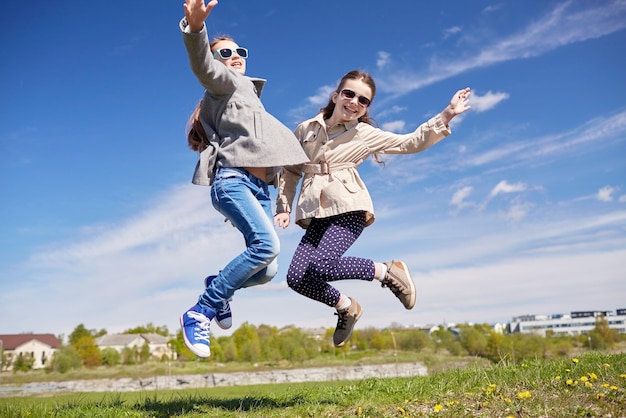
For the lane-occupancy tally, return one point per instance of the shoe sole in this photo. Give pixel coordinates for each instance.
(358, 316)
(188, 343)
(411, 285)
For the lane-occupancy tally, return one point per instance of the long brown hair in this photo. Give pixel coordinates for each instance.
(196, 136)
(327, 110)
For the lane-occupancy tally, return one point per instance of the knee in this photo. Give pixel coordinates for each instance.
(295, 278)
(267, 249)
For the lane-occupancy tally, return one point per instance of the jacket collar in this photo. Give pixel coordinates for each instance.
(259, 83)
(319, 118)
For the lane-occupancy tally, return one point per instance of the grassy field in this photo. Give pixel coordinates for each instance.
(592, 385)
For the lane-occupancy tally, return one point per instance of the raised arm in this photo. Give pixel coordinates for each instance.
(196, 13)
(458, 104)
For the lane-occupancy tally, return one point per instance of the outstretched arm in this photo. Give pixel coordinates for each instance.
(458, 104)
(196, 13)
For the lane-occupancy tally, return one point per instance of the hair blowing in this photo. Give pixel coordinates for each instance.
(327, 110)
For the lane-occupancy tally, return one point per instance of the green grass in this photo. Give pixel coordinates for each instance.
(594, 385)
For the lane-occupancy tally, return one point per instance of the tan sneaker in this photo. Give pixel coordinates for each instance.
(345, 323)
(398, 280)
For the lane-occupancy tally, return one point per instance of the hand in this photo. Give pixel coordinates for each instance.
(458, 104)
(281, 220)
(196, 13)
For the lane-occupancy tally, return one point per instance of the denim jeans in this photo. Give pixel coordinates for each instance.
(245, 201)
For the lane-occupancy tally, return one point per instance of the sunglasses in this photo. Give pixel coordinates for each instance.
(225, 53)
(349, 94)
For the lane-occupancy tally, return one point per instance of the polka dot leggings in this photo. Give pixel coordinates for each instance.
(319, 257)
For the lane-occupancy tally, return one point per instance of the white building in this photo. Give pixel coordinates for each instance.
(39, 347)
(158, 344)
(576, 323)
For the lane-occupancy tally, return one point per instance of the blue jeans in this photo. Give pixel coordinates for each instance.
(245, 201)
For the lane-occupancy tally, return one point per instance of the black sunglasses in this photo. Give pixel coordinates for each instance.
(225, 53)
(349, 94)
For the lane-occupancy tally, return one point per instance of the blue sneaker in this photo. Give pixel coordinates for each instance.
(196, 329)
(223, 316)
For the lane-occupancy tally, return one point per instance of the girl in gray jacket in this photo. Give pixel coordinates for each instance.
(334, 205)
(242, 148)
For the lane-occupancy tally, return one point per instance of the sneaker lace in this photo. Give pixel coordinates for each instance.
(393, 285)
(342, 320)
(225, 309)
(202, 328)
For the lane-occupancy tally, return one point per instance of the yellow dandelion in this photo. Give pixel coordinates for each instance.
(569, 382)
(359, 411)
(592, 376)
(401, 410)
(568, 370)
(438, 407)
(623, 375)
(575, 360)
(583, 378)
(599, 396)
(607, 365)
(524, 395)
(613, 387)
(557, 378)
(588, 384)
(507, 400)
(605, 385)
(485, 403)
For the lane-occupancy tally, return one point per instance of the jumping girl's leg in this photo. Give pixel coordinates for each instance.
(319, 257)
(244, 200)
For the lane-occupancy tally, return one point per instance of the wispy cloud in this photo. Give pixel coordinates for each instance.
(569, 22)
(606, 129)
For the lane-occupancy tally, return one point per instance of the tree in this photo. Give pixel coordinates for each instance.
(473, 340)
(88, 350)
(144, 353)
(110, 357)
(149, 328)
(23, 363)
(602, 336)
(247, 342)
(65, 359)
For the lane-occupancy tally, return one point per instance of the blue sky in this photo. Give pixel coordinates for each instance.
(521, 210)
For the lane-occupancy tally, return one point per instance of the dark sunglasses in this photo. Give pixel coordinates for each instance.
(225, 53)
(349, 94)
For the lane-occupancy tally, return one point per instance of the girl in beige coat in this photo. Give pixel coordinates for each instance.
(334, 205)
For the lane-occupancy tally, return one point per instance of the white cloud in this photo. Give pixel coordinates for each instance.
(487, 101)
(459, 197)
(383, 59)
(506, 187)
(605, 194)
(451, 31)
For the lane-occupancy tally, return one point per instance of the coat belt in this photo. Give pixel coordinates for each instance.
(324, 167)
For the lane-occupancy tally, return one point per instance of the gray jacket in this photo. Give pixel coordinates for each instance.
(240, 131)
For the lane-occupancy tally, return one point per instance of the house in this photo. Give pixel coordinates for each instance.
(157, 344)
(39, 347)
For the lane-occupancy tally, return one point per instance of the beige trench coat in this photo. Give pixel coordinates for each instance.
(331, 183)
